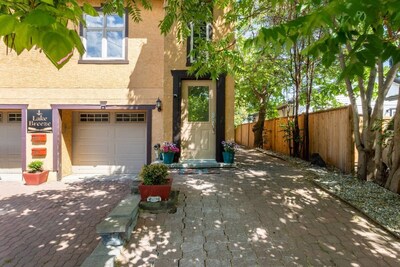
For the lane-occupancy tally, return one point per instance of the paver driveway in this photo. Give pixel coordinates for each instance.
(264, 213)
(53, 224)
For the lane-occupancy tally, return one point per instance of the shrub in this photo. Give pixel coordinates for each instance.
(154, 174)
(36, 166)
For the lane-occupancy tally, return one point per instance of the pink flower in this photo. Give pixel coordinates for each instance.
(169, 147)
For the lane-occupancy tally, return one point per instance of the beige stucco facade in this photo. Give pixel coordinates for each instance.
(31, 79)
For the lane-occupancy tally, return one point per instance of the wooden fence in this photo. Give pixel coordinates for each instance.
(330, 134)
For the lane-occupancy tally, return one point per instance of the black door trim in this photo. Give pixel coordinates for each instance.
(178, 77)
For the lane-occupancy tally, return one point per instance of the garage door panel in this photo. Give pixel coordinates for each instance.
(94, 149)
(10, 146)
(126, 149)
(108, 147)
(101, 134)
(130, 131)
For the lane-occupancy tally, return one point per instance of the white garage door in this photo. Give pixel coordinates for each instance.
(10, 145)
(108, 142)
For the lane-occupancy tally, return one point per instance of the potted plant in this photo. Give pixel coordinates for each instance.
(169, 149)
(35, 175)
(230, 148)
(154, 181)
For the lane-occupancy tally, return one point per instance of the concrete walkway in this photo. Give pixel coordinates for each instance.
(264, 213)
(53, 224)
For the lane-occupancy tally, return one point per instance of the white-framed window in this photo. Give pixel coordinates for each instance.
(130, 117)
(14, 117)
(203, 32)
(94, 117)
(104, 37)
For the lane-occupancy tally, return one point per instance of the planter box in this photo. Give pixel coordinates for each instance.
(39, 152)
(35, 178)
(162, 191)
(39, 138)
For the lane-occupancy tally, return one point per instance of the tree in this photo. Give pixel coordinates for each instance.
(363, 35)
(259, 85)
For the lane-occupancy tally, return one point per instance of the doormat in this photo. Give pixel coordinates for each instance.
(198, 171)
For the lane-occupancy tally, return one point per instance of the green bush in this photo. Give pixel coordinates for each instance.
(36, 166)
(154, 174)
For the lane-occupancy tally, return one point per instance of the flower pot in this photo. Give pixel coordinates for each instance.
(35, 178)
(162, 191)
(229, 157)
(168, 157)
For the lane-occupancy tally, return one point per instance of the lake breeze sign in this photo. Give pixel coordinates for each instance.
(39, 120)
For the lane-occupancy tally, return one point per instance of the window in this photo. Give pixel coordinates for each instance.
(198, 103)
(130, 117)
(198, 34)
(94, 117)
(1, 117)
(104, 38)
(14, 117)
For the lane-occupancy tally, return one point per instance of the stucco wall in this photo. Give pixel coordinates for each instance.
(31, 79)
(175, 59)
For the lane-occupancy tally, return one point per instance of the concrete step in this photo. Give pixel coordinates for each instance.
(117, 227)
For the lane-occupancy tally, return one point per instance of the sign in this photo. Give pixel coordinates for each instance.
(39, 120)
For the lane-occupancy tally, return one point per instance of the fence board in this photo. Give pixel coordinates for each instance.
(330, 133)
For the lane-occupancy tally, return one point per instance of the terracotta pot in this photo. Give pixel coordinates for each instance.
(35, 178)
(162, 191)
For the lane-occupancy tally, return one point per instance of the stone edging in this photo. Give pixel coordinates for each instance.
(394, 234)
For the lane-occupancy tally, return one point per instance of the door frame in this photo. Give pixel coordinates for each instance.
(95, 107)
(178, 76)
(23, 108)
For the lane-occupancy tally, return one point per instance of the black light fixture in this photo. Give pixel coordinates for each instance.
(158, 104)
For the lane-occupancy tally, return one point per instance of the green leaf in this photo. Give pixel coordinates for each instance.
(388, 51)
(39, 18)
(328, 59)
(7, 23)
(77, 41)
(22, 37)
(50, 2)
(88, 9)
(58, 48)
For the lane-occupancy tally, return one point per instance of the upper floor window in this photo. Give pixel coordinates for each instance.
(104, 37)
(198, 34)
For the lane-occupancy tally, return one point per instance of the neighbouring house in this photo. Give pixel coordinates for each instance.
(389, 104)
(98, 113)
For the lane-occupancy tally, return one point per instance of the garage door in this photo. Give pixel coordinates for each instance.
(108, 142)
(10, 145)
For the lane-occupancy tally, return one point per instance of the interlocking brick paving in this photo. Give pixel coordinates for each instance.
(264, 213)
(53, 224)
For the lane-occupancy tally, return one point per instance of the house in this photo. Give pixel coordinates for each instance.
(98, 113)
(389, 104)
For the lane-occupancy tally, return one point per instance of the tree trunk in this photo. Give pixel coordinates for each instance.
(258, 128)
(393, 182)
(379, 174)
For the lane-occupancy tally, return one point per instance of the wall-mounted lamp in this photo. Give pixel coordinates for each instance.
(103, 104)
(158, 104)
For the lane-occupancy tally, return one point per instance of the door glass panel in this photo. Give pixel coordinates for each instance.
(198, 103)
